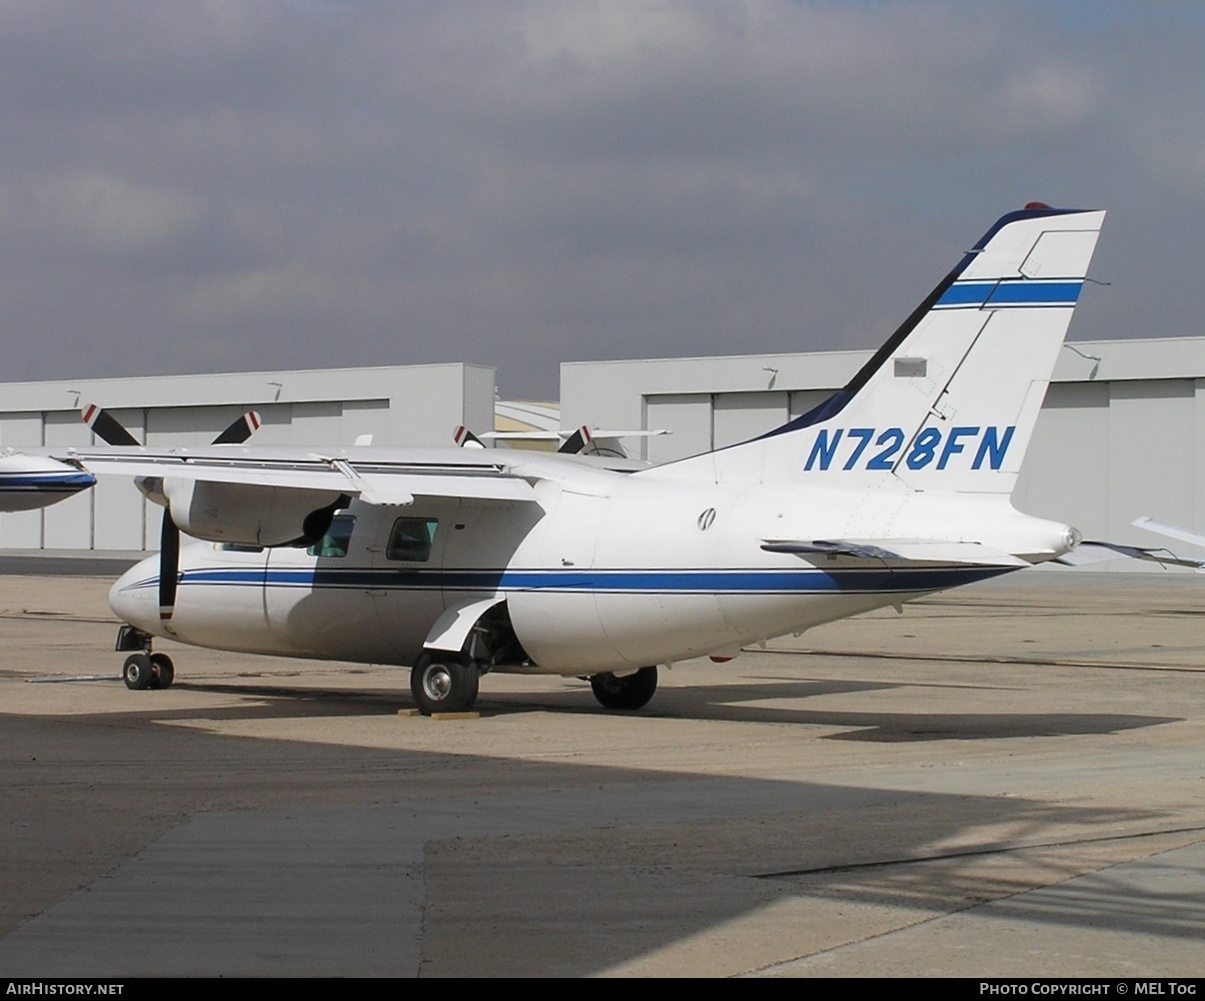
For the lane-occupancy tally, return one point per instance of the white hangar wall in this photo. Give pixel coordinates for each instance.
(1120, 433)
(415, 405)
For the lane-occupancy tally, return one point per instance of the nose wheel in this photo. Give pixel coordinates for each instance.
(148, 670)
(143, 669)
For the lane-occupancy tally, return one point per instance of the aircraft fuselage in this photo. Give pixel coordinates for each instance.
(606, 572)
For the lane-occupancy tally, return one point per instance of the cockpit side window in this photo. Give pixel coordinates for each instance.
(411, 539)
(334, 544)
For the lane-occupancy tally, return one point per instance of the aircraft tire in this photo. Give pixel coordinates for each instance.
(443, 683)
(631, 691)
(137, 672)
(164, 670)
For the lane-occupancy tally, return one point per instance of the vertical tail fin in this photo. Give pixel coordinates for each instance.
(950, 400)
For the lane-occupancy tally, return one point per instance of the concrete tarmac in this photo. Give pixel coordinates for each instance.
(1007, 780)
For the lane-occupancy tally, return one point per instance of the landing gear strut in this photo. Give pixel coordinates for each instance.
(628, 691)
(443, 682)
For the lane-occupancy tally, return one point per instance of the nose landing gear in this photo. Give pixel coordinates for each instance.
(143, 669)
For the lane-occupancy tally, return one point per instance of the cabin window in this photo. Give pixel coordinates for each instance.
(335, 543)
(411, 539)
(236, 547)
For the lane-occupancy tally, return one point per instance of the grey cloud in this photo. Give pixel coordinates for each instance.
(207, 186)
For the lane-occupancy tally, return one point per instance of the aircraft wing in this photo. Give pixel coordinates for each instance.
(375, 480)
(896, 551)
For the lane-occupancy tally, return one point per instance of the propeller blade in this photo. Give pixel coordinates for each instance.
(169, 535)
(465, 438)
(106, 427)
(576, 442)
(169, 565)
(240, 430)
(111, 431)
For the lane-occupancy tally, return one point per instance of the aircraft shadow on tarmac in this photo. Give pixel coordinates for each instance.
(719, 703)
(523, 859)
(460, 847)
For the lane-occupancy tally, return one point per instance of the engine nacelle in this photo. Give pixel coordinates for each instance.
(249, 514)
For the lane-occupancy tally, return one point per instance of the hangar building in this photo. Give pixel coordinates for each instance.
(398, 405)
(1121, 432)
(1117, 437)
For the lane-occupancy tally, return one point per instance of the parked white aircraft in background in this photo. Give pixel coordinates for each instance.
(28, 482)
(460, 562)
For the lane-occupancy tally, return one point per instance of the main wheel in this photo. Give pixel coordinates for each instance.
(164, 670)
(628, 691)
(443, 683)
(138, 672)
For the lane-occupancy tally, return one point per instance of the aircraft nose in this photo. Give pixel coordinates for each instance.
(134, 597)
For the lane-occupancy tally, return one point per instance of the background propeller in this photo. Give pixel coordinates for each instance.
(111, 431)
(106, 427)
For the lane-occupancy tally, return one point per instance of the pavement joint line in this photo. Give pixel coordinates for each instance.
(972, 852)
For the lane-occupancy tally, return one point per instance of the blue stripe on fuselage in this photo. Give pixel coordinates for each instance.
(664, 582)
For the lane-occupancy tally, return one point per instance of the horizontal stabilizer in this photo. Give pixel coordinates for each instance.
(1091, 553)
(896, 550)
(1171, 531)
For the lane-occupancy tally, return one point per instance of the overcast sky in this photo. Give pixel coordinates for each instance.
(244, 184)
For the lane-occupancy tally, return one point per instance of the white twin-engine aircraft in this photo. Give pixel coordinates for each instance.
(28, 482)
(458, 562)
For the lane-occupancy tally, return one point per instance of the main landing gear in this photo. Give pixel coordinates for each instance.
(626, 691)
(443, 682)
(143, 669)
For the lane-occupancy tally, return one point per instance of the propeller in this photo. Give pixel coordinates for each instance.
(169, 556)
(465, 438)
(111, 431)
(106, 427)
(240, 430)
(576, 442)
